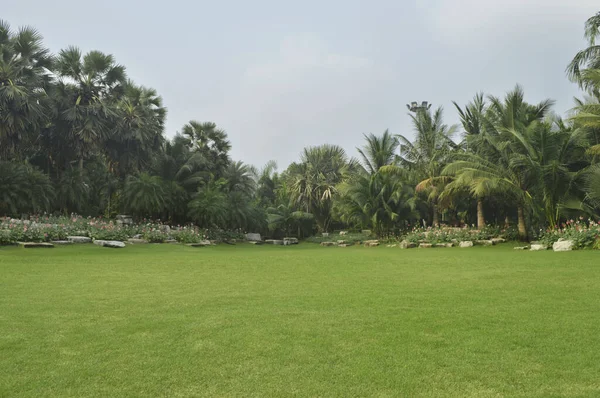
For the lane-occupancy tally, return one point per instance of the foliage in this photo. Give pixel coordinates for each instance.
(583, 233)
(78, 136)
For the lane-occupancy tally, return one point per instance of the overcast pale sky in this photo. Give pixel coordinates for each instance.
(280, 75)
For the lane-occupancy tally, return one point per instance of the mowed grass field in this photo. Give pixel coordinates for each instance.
(249, 321)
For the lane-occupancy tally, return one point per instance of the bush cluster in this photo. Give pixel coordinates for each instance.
(585, 234)
(437, 235)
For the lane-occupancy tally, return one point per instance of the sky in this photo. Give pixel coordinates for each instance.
(280, 75)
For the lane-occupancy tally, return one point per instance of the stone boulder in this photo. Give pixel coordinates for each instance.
(79, 239)
(407, 245)
(172, 241)
(325, 234)
(485, 242)
(61, 242)
(563, 245)
(521, 247)
(343, 245)
(123, 219)
(290, 241)
(394, 245)
(341, 242)
(328, 244)
(252, 237)
(137, 241)
(278, 242)
(256, 242)
(425, 245)
(110, 243)
(35, 245)
(538, 246)
(203, 243)
(371, 243)
(465, 243)
(342, 233)
(498, 240)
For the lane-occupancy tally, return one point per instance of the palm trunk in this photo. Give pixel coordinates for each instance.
(521, 223)
(506, 221)
(81, 165)
(480, 215)
(436, 219)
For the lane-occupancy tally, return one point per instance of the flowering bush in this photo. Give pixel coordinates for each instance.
(186, 235)
(155, 236)
(583, 233)
(437, 235)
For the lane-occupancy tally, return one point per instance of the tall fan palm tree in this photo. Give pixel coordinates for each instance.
(89, 87)
(209, 145)
(138, 131)
(312, 182)
(24, 75)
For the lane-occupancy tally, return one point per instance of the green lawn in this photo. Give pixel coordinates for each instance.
(164, 320)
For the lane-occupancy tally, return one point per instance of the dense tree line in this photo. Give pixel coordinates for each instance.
(76, 135)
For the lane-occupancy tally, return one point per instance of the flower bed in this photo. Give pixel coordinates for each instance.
(51, 228)
(436, 235)
(585, 234)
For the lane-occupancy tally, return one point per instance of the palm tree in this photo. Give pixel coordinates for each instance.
(588, 58)
(86, 94)
(137, 134)
(24, 64)
(378, 201)
(473, 121)
(312, 182)
(208, 206)
(144, 195)
(209, 145)
(378, 151)
(427, 155)
(24, 189)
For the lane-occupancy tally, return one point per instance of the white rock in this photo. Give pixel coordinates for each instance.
(79, 239)
(466, 243)
(110, 243)
(563, 246)
(252, 237)
(537, 247)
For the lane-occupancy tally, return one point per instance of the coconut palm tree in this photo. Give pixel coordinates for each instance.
(427, 155)
(588, 58)
(378, 151)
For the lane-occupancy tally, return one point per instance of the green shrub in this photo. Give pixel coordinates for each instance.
(187, 236)
(584, 234)
(155, 236)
